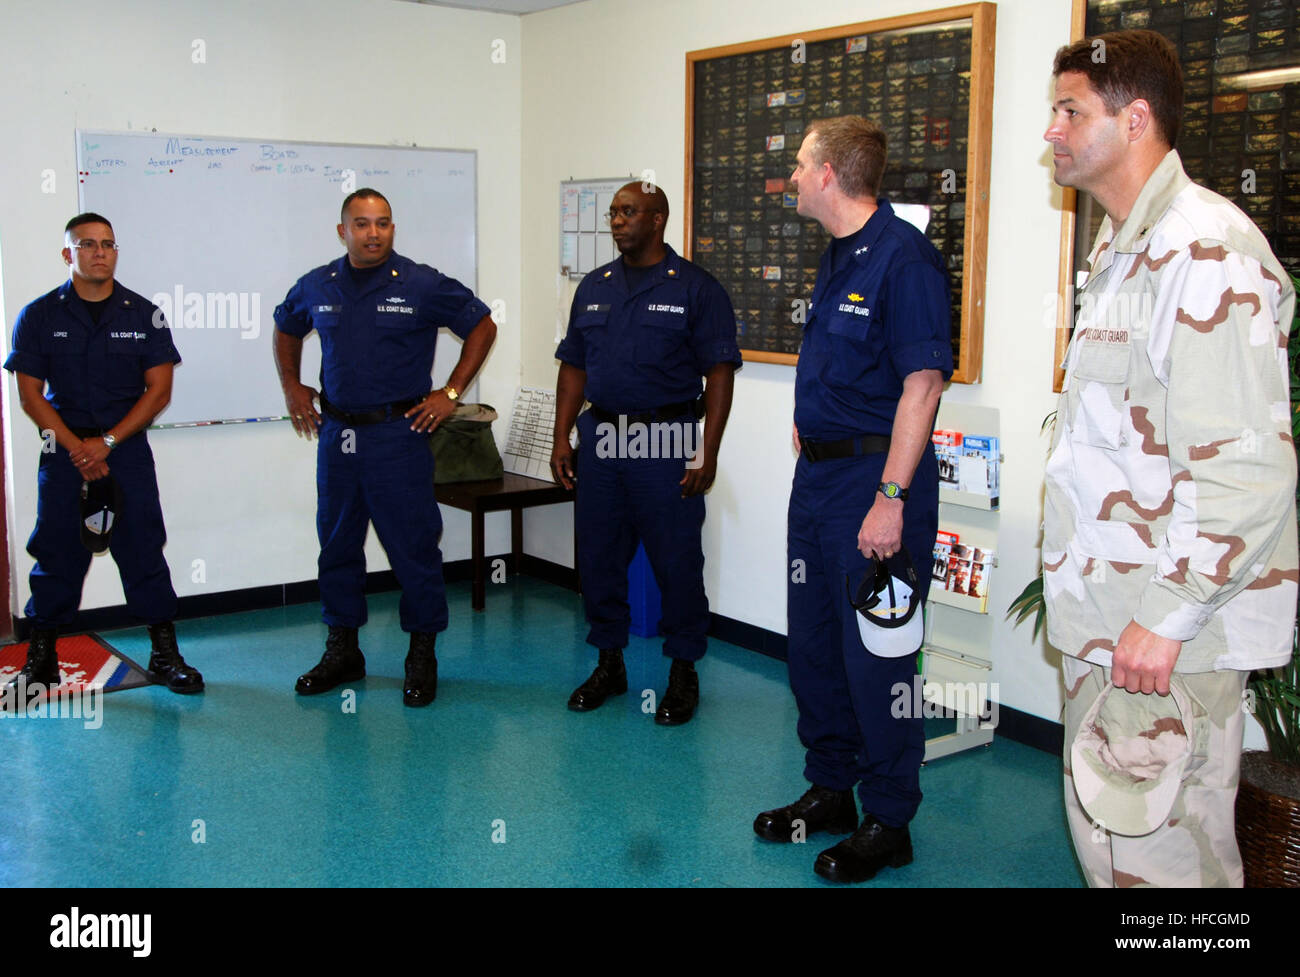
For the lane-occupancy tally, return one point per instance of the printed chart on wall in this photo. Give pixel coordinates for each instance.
(532, 428)
(215, 231)
(585, 243)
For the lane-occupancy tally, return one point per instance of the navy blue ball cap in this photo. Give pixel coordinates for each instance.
(101, 501)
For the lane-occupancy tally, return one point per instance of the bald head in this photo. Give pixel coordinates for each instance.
(637, 216)
(647, 196)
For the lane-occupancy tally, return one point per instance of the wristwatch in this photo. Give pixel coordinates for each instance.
(110, 441)
(892, 490)
(451, 393)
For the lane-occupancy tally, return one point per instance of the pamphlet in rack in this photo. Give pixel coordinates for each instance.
(960, 568)
(947, 450)
(943, 545)
(969, 463)
(979, 467)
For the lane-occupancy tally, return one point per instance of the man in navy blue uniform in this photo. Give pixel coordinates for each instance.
(378, 316)
(643, 330)
(875, 354)
(106, 356)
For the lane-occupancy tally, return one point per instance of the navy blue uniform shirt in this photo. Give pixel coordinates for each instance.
(879, 314)
(649, 348)
(377, 339)
(94, 374)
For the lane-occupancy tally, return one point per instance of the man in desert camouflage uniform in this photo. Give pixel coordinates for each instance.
(1169, 543)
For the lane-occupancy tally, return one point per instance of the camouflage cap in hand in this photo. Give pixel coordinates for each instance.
(1128, 760)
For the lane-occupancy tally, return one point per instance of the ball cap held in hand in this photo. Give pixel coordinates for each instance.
(1128, 762)
(101, 501)
(886, 600)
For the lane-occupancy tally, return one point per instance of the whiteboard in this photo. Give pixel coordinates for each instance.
(216, 231)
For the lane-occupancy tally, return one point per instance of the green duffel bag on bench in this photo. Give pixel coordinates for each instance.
(463, 447)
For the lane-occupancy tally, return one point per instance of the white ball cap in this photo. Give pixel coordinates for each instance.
(886, 603)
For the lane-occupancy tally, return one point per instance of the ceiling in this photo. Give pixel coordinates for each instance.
(500, 6)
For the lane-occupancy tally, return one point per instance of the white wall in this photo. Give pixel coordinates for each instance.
(242, 498)
(599, 89)
(604, 93)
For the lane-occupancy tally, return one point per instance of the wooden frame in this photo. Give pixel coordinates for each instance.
(1065, 269)
(982, 19)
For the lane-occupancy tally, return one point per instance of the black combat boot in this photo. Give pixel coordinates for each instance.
(421, 686)
(609, 678)
(42, 666)
(682, 697)
(820, 809)
(342, 662)
(166, 666)
(865, 852)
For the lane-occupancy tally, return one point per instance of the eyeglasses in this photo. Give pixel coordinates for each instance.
(627, 213)
(89, 245)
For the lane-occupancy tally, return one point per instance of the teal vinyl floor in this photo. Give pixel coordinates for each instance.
(495, 784)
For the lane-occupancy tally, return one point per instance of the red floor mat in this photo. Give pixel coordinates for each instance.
(85, 660)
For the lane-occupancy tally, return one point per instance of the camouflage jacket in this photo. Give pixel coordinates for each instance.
(1170, 489)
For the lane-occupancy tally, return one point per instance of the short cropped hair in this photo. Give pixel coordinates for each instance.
(86, 218)
(855, 148)
(1125, 65)
(660, 198)
(363, 192)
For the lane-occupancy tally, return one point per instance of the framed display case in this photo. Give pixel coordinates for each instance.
(1241, 120)
(926, 79)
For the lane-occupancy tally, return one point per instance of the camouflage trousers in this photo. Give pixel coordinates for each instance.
(1196, 845)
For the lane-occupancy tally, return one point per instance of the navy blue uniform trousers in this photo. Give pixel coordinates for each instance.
(619, 502)
(380, 473)
(136, 544)
(844, 693)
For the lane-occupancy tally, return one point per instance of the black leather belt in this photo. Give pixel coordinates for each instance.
(867, 444)
(669, 412)
(87, 432)
(376, 416)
